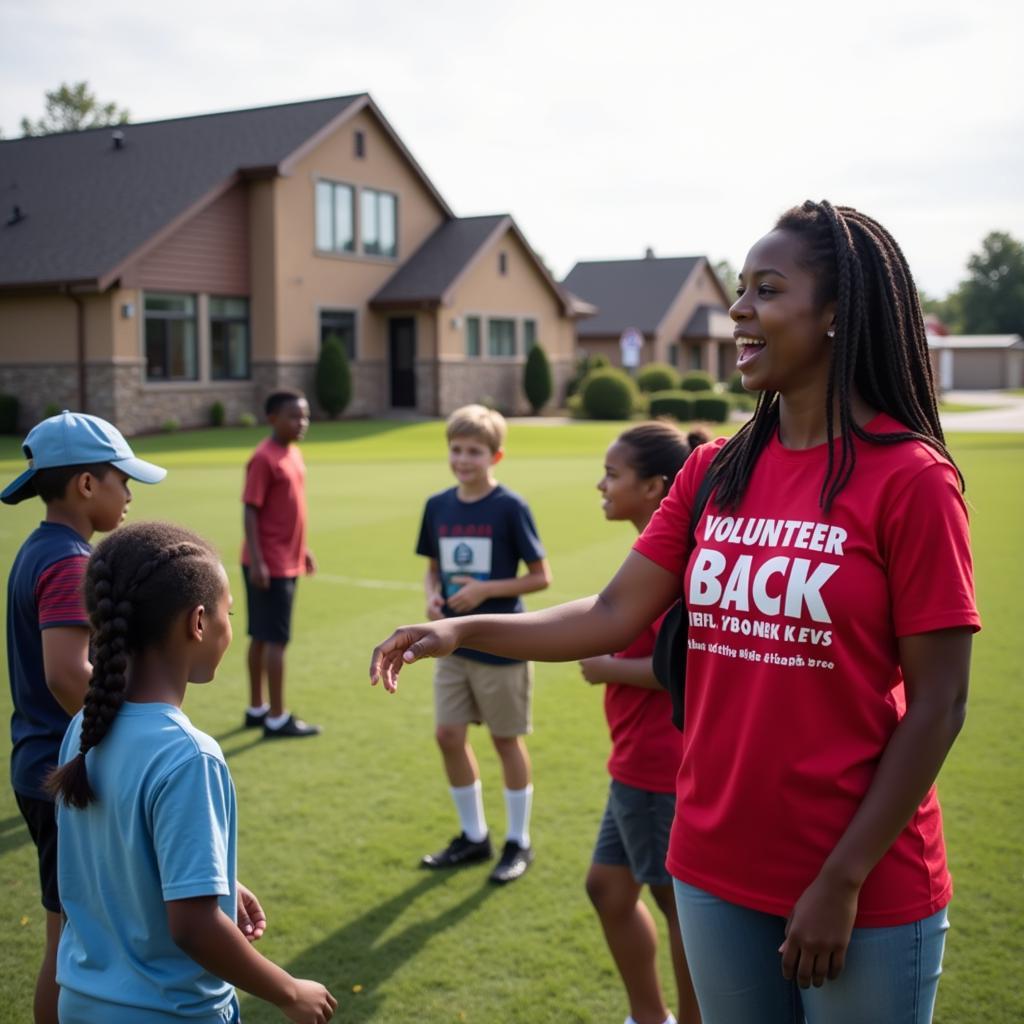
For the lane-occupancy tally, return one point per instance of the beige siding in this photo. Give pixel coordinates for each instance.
(208, 253)
(44, 328)
(308, 281)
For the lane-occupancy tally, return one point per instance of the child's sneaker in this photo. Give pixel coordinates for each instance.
(254, 719)
(515, 859)
(292, 726)
(461, 850)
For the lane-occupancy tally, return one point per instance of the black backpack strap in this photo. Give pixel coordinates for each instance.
(700, 501)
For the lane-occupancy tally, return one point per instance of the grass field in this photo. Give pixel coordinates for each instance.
(332, 828)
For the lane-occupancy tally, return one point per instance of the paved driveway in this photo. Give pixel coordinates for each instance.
(1006, 414)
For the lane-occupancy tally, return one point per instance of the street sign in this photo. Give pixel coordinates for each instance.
(631, 344)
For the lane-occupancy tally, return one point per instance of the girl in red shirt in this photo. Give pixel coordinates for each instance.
(632, 842)
(831, 610)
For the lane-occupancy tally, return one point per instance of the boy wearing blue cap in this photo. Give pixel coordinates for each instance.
(79, 466)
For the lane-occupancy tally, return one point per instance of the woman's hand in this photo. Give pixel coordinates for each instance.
(408, 644)
(818, 932)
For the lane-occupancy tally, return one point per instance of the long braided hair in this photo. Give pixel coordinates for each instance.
(879, 349)
(138, 580)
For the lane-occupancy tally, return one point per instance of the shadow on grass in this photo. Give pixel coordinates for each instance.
(13, 833)
(352, 956)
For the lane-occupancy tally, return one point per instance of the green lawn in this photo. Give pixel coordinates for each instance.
(332, 828)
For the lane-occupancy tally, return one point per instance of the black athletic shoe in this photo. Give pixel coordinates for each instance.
(461, 850)
(515, 859)
(255, 719)
(292, 727)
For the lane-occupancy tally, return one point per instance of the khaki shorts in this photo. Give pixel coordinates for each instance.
(499, 696)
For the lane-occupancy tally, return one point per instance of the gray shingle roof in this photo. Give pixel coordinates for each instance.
(432, 269)
(628, 293)
(88, 206)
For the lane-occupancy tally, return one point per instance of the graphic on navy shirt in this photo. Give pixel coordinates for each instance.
(463, 556)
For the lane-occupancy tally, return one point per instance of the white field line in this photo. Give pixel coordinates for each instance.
(352, 581)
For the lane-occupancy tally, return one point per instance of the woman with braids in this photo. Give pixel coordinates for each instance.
(831, 609)
(632, 841)
(158, 929)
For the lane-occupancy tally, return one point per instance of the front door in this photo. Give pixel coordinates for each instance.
(402, 339)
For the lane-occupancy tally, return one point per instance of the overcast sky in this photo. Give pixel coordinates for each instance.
(603, 128)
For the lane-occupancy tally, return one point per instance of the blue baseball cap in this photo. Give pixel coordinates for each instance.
(76, 439)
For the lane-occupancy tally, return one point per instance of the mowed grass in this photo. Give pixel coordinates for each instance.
(332, 828)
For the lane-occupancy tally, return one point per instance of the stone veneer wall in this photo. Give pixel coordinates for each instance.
(497, 383)
(38, 385)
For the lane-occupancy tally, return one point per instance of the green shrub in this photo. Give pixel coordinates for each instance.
(735, 385)
(52, 409)
(537, 379)
(584, 366)
(333, 377)
(217, 414)
(712, 408)
(9, 406)
(746, 402)
(247, 419)
(657, 377)
(609, 394)
(697, 380)
(171, 425)
(672, 402)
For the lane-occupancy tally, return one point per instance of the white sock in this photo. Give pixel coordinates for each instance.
(517, 807)
(261, 710)
(469, 802)
(670, 1019)
(275, 722)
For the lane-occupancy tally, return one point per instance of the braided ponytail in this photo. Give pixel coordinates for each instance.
(132, 597)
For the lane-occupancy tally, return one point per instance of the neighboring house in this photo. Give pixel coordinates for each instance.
(153, 269)
(677, 305)
(977, 362)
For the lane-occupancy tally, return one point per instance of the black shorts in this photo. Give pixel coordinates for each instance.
(41, 818)
(270, 610)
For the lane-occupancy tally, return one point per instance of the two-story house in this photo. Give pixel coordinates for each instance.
(150, 270)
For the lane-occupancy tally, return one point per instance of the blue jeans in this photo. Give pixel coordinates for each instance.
(891, 974)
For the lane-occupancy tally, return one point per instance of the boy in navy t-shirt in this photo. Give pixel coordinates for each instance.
(80, 466)
(475, 535)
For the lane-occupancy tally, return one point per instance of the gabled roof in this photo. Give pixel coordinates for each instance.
(432, 272)
(629, 293)
(88, 207)
(708, 322)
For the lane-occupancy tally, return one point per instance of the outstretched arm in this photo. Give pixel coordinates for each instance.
(601, 624)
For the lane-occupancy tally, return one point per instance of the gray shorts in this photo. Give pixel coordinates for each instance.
(634, 832)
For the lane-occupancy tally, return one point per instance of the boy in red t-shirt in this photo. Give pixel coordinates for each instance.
(274, 555)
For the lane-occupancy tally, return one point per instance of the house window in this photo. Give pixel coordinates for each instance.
(673, 354)
(335, 217)
(378, 220)
(360, 144)
(229, 339)
(341, 323)
(529, 335)
(172, 351)
(695, 357)
(473, 336)
(502, 263)
(501, 337)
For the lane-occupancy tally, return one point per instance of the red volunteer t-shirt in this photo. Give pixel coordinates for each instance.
(793, 684)
(275, 483)
(646, 746)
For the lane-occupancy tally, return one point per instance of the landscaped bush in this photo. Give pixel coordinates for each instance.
(609, 394)
(657, 377)
(747, 402)
(713, 408)
(247, 419)
(8, 414)
(697, 380)
(217, 414)
(537, 379)
(676, 403)
(333, 377)
(735, 385)
(584, 366)
(52, 409)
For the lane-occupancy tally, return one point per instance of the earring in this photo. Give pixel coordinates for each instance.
(830, 333)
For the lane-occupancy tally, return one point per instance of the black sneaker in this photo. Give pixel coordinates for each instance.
(292, 727)
(254, 719)
(461, 850)
(515, 859)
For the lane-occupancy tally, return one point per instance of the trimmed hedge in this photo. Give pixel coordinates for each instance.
(537, 379)
(713, 408)
(697, 380)
(735, 385)
(333, 377)
(657, 377)
(609, 394)
(672, 402)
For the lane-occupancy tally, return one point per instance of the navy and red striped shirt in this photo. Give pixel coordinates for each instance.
(43, 591)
